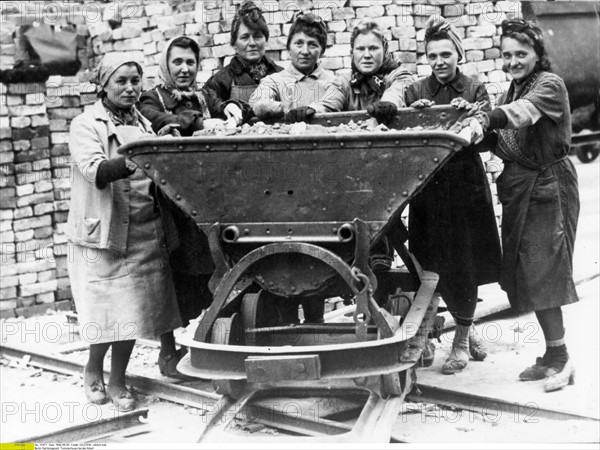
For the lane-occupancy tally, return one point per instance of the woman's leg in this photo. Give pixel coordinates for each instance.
(93, 374)
(121, 352)
(463, 311)
(167, 344)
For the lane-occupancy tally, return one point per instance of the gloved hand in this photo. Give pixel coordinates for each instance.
(233, 111)
(171, 129)
(460, 103)
(302, 114)
(382, 111)
(422, 103)
(268, 109)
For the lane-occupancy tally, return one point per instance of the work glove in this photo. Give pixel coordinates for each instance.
(233, 111)
(268, 109)
(422, 103)
(302, 114)
(382, 111)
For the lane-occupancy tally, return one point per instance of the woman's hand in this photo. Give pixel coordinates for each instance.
(422, 103)
(171, 129)
(268, 109)
(301, 114)
(460, 103)
(233, 111)
(382, 111)
(475, 127)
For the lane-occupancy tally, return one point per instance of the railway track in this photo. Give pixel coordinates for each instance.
(306, 423)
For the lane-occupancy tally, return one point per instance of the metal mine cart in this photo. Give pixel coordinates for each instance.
(294, 217)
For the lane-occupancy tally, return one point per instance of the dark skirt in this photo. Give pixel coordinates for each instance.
(453, 230)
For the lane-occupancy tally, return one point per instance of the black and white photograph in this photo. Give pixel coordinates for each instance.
(300, 223)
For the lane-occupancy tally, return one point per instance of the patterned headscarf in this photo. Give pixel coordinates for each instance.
(439, 28)
(529, 33)
(165, 76)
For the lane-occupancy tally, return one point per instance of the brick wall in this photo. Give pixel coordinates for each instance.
(35, 118)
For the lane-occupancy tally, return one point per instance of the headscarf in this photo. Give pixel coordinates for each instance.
(105, 69)
(373, 84)
(310, 24)
(519, 28)
(166, 80)
(438, 25)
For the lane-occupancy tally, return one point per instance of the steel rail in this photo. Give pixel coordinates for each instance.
(479, 403)
(89, 432)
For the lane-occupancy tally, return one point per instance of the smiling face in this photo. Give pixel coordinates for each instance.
(368, 53)
(443, 59)
(124, 86)
(519, 58)
(183, 66)
(305, 51)
(250, 45)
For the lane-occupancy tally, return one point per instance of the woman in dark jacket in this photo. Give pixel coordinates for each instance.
(539, 195)
(249, 36)
(452, 227)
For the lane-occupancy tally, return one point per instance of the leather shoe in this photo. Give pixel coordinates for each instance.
(535, 372)
(168, 364)
(558, 379)
(121, 398)
(94, 388)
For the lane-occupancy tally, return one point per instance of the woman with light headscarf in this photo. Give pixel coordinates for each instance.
(119, 269)
(175, 106)
(539, 194)
(376, 80)
(452, 227)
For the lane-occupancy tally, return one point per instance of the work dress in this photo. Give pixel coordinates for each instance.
(451, 225)
(130, 296)
(540, 199)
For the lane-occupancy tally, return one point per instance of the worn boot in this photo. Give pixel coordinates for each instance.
(476, 345)
(459, 355)
(535, 372)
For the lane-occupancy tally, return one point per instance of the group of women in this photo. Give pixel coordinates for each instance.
(141, 268)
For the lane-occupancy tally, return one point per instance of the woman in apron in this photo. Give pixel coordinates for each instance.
(452, 228)
(238, 80)
(119, 267)
(539, 194)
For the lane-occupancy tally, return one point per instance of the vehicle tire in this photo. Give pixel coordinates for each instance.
(587, 153)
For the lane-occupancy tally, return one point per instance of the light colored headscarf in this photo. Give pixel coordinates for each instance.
(166, 79)
(437, 24)
(109, 64)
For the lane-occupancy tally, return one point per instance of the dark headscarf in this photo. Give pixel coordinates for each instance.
(439, 28)
(530, 34)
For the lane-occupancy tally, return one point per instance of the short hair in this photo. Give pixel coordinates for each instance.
(528, 34)
(250, 15)
(310, 25)
(185, 42)
(367, 26)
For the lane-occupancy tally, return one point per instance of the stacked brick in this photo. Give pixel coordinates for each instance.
(34, 118)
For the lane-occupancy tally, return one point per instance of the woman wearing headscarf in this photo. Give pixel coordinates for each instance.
(539, 194)
(238, 80)
(376, 80)
(119, 270)
(451, 225)
(175, 106)
(304, 81)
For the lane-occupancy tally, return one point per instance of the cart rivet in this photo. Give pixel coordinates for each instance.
(180, 147)
(397, 142)
(375, 226)
(293, 288)
(130, 152)
(208, 147)
(234, 146)
(288, 146)
(436, 160)
(315, 144)
(246, 231)
(163, 181)
(146, 166)
(405, 193)
(194, 212)
(389, 209)
(268, 231)
(328, 121)
(155, 148)
(178, 197)
(360, 381)
(334, 230)
(342, 144)
(299, 368)
(421, 177)
(425, 141)
(452, 144)
(369, 143)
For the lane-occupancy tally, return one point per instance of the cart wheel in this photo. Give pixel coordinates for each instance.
(259, 311)
(229, 331)
(587, 153)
